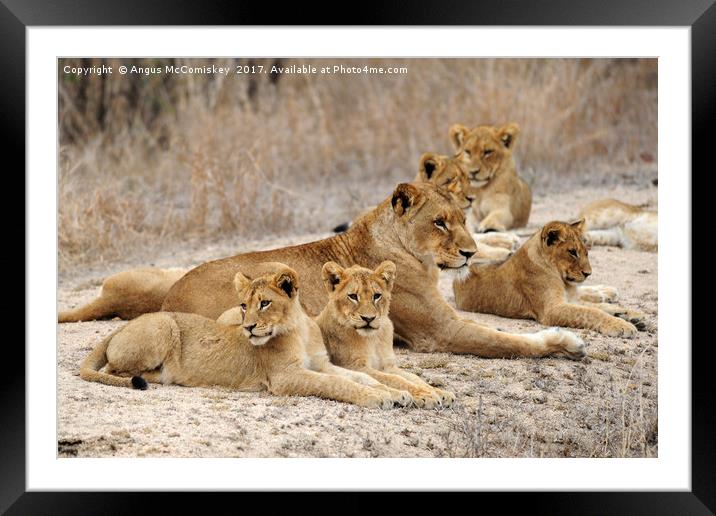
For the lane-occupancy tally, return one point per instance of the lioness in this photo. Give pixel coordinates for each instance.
(616, 223)
(277, 347)
(503, 200)
(127, 295)
(421, 230)
(358, 333)
(539, 282)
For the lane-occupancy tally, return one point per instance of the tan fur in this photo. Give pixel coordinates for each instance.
(359, 335)
(275, 347)
(127, 294)
(406, 229)
(539, 282)
(502, 199)
(616, 223)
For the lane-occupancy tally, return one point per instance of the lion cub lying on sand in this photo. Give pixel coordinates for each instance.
(277, 347)
(358, 333)
(539, 282)
(612, 222)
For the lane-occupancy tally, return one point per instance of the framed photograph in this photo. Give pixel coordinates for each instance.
(416, 254)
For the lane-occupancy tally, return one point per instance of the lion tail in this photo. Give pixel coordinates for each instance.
(99, 308)
(97, 359)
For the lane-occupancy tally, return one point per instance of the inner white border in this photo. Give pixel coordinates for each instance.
(671, 470)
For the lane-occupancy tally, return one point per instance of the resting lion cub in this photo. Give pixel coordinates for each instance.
(540, 282)
(503, 200)
(277, 347)
(358, 333)
(612, 222)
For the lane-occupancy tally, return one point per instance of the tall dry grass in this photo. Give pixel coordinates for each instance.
(148, 161)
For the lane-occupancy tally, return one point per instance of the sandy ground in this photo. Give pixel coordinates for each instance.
(605, 405)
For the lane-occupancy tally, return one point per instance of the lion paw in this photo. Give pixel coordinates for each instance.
(447, 398)
(606, 294)
(619, 328)
(563, 343)
(402, 398)
(381, 401)
(427, 400)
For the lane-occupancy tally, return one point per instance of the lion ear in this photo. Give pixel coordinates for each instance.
(457, 135)
(429, 163)
(508, 134)
(386, 271)
(241, 282)
(404, 196)
(287, 281)
(551, 234)
(578, 225)
(332, 275)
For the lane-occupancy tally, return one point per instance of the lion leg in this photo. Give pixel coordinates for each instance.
(148, 347)
(506, 240)
(400, 396)
(445, 398)
(467, 337)
(588, 317)
(635, 317)
(423, 397)
(597, 294)
(490, 254)
(611, 237)
(303, 382)
(498, 220)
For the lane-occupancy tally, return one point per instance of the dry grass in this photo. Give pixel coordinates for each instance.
(151, 161)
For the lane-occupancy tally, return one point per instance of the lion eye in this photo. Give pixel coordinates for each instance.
(243, 307)
(573, 252)
(487, 153)
(353, 297)
(376, 296)
(440, 224)
(265, 304)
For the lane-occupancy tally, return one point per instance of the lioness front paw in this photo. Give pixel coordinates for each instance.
(447, 398)
(381, 401)
(619, 328)
(563, 343)
(402, 398)
(427, 400)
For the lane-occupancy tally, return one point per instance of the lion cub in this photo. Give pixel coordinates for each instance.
(276, 347)
(540, 282)
(502, 200)
(616, 223)
(359, 334)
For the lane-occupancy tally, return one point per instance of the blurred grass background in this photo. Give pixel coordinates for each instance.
(150, 161)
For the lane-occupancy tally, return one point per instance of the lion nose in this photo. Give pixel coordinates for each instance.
(367, 319)
(586, 274)
(250, 328)
(467, 254)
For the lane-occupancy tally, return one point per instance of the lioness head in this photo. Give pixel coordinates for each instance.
(564, 247)
(446, 173)
(267, 303)
(431, 226)
(483, 149)
(359, 297)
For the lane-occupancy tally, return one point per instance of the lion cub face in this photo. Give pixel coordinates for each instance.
(268, 303)
(446, 173)
(359, 297)
(564, 246)
(431, 226)
(483, 149)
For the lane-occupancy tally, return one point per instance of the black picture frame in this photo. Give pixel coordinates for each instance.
(17, 15)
